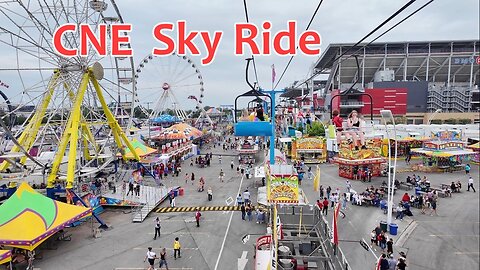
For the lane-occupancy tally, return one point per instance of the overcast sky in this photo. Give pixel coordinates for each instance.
(337, 21)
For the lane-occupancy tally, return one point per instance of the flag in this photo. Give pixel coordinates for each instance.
(274, 245)
(334, 223)
(273, 74)
(316, 180)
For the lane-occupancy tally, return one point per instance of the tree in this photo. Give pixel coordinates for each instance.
(450, 121)
(436, 122)
(465, 121)
(316, 129)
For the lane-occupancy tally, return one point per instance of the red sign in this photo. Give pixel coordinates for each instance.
(477, 60)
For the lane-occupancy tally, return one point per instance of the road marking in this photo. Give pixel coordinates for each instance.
(466, 253)
(181, 233)
(242, 261)
(228, 228)
(454, 235)
(143, 268)
(160, 248)
(199, 208)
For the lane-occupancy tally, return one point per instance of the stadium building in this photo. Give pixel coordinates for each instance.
(412, 79)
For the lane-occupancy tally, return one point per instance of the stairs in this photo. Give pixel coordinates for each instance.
(151, 198)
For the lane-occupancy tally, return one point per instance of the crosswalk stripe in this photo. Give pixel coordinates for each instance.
(200, 208)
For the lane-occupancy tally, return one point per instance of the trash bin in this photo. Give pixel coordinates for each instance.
(393, 228)
(180, 191)
(383, 226)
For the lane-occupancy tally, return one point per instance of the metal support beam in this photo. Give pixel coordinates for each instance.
(117, 132)
(69, 137)
(29, 134)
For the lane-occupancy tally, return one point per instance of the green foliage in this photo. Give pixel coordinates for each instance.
(464, 121)
(450, 121)
(400, 120)
(300, 128)
(316, 129)
(436, 122)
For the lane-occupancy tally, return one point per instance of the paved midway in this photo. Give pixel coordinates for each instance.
(449, 241)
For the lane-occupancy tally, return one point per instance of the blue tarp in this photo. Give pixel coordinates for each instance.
(165, 118)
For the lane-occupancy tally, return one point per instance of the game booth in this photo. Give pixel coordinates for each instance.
(352, 162)
(446, 152)
(309, 149)
(247, 146)
(476, 148)
(402, 144)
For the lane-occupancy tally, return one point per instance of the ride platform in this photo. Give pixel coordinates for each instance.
(149, 199)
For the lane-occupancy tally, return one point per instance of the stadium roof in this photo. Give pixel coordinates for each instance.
(456, 58)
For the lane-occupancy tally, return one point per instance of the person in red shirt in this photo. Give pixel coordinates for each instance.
(197, 218)
(338, 122)
(406, 197)
(325, 206)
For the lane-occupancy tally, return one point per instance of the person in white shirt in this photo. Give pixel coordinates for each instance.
(151, 256)
(246, 196)
(470, 184)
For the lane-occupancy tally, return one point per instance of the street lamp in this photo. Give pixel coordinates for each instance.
(388, 116)
(433, 115)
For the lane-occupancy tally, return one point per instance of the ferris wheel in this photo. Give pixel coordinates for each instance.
(167, 82)
(66, 108)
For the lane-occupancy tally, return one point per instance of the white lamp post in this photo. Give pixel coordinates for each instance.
(388, 116)
(433, 115)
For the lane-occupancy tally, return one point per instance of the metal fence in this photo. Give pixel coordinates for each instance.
(309, 218)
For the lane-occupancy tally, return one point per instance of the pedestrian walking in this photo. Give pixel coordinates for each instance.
(137, 190)
(232, 164)
(392, 263)
(329, 190)
(383, 262)
(221, 175)
(210, 193)
(243, 210)
(325, 206)
(390, 246)
(197, 217)
(157, 228)
(382, 239)
(433, 203)
(348, 185)
(246, 196)
(186, 178)
(151, 256)
(249, 209)
(172, 202)
(321, 190)
(470, 184)
(467, 168)
(239, 199)
(238, 170)
(130, 188)
(176, 248)
(220, 159)
(192, 178)
(401, 265)
(163, 259)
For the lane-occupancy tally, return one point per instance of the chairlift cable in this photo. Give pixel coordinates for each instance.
(379, 36)
(376, 28)
(253, 58)
(291, 58)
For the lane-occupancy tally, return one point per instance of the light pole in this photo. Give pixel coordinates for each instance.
(433, 115)
(388, 116)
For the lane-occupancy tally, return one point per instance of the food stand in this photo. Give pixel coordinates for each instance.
(309, 149)
(350, 160)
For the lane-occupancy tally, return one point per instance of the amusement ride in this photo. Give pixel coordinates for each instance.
(69, 129)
